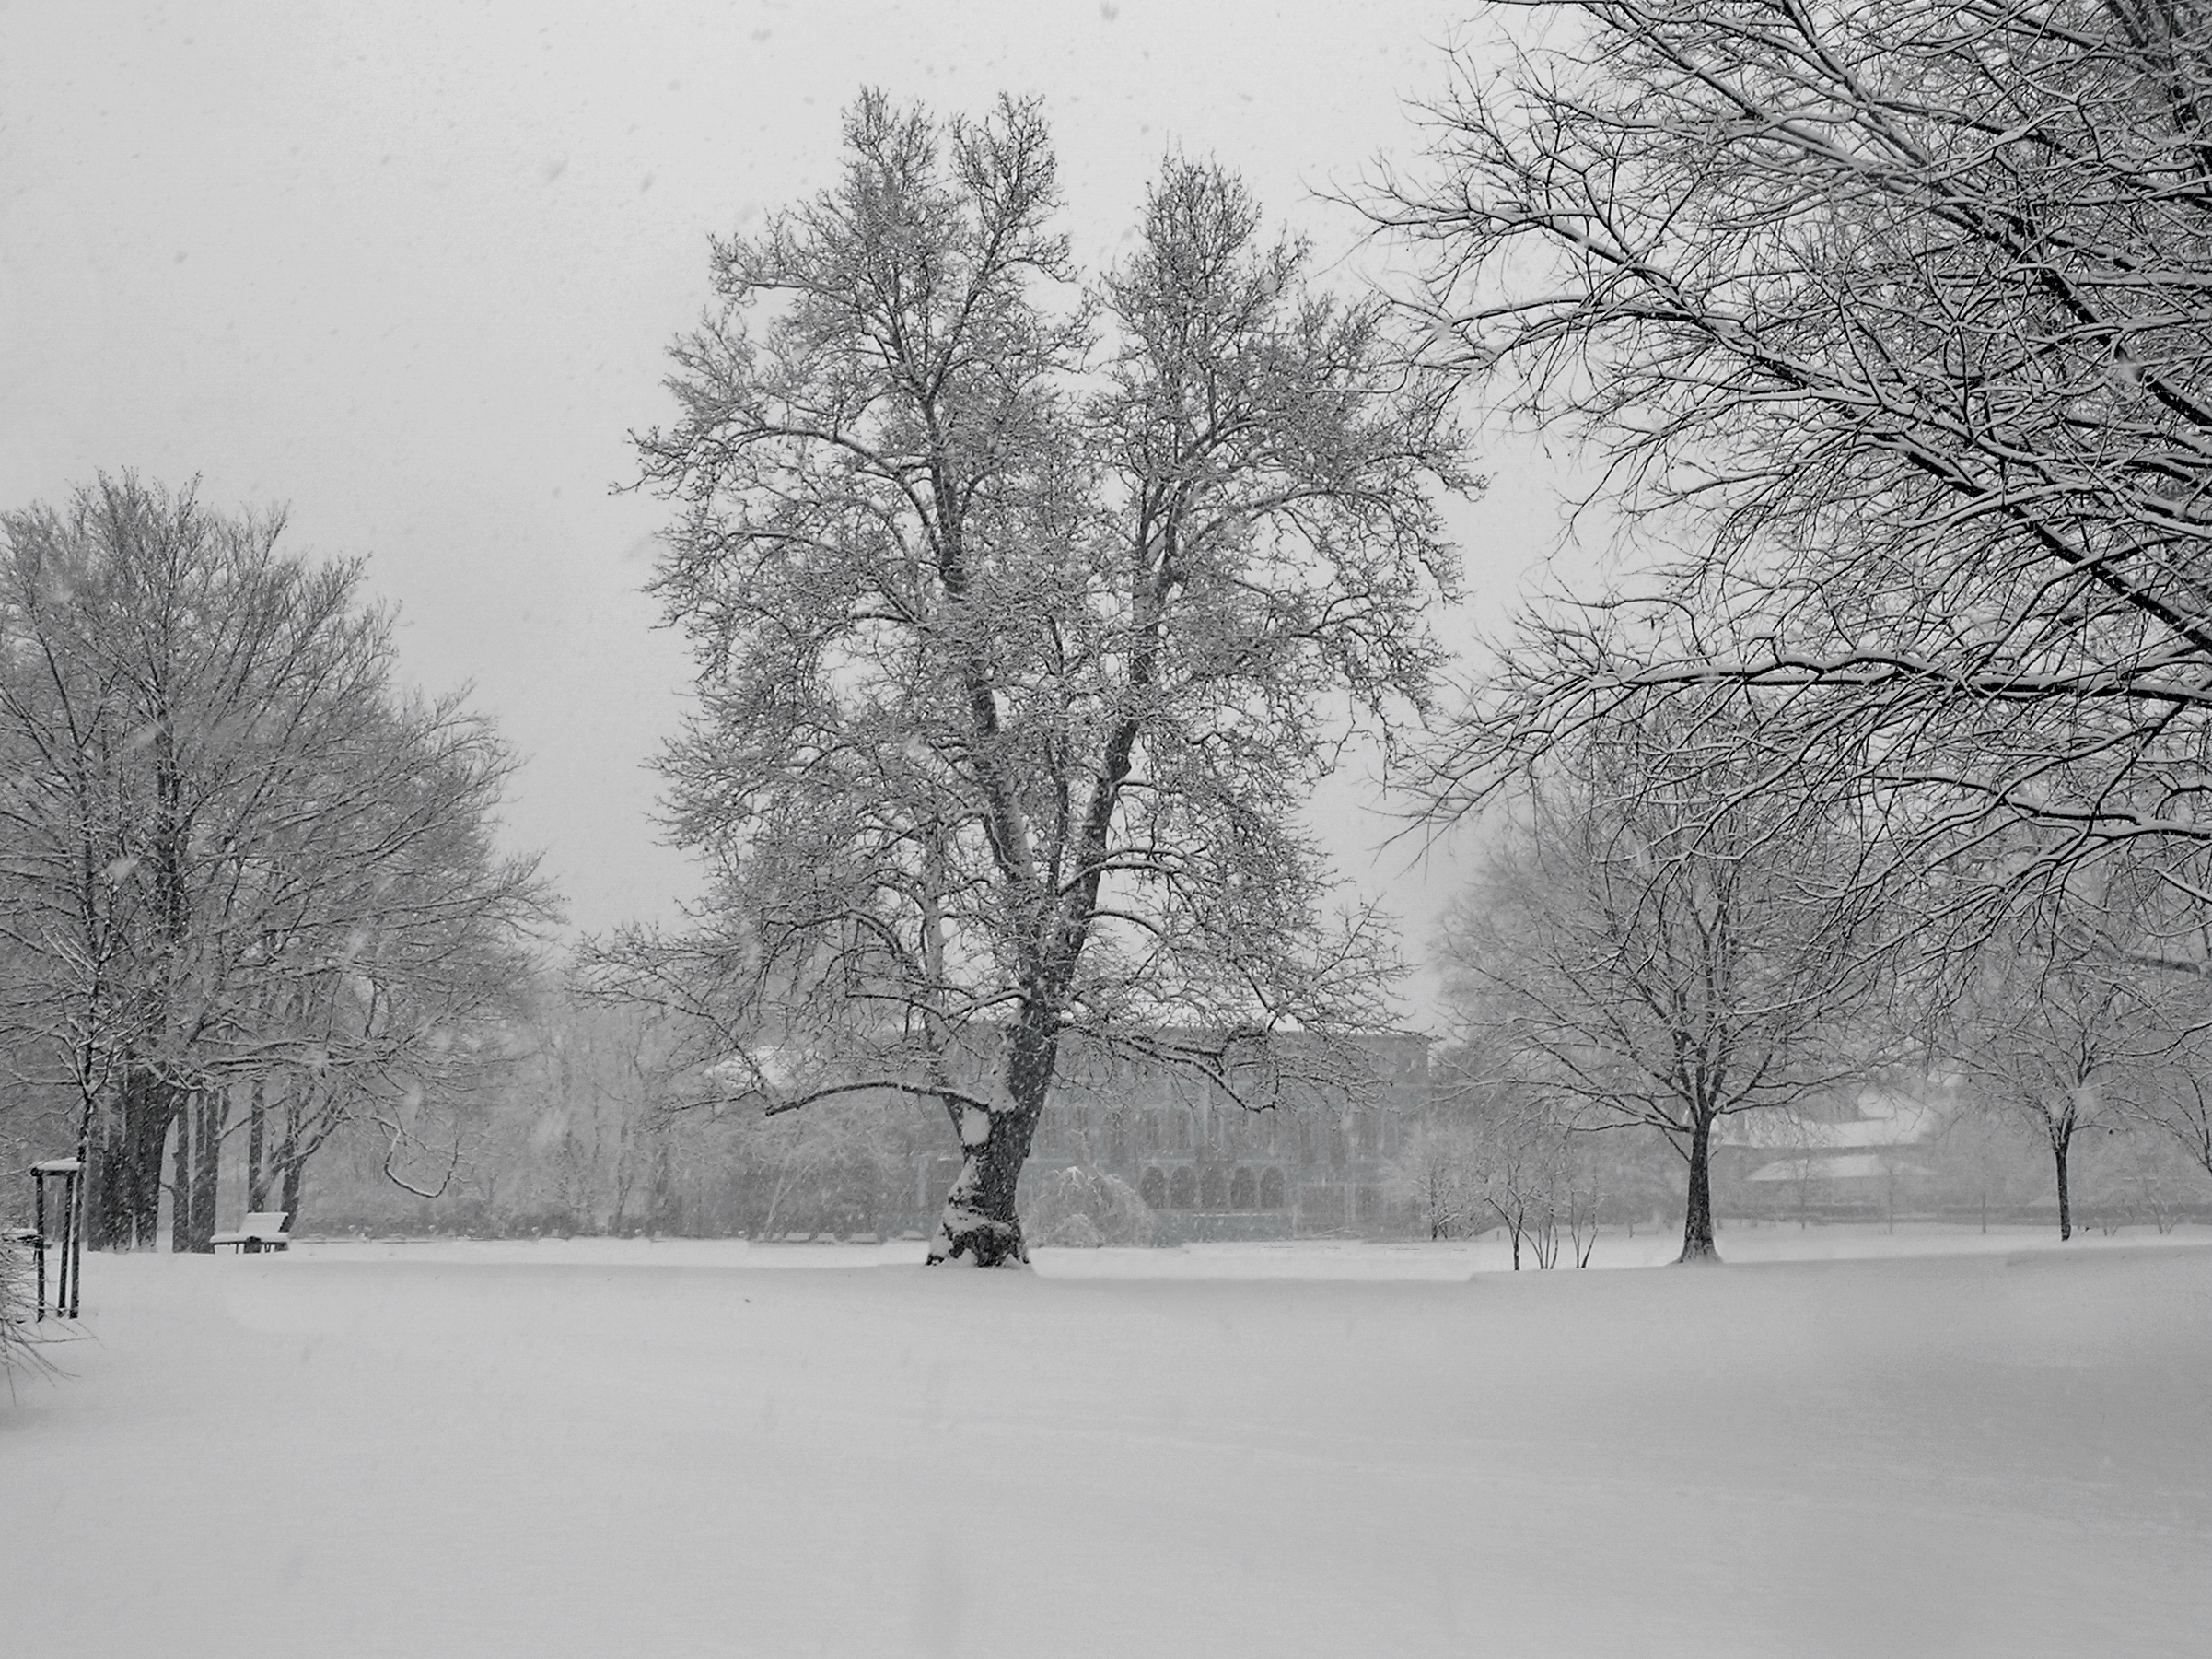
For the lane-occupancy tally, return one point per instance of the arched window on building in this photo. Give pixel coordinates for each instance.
(1183, 1190)
(1272, 1193)
(1117, 1139)
(1179, 1118)
(1214, 1191)
(1242, 1193)
(1153, 1189)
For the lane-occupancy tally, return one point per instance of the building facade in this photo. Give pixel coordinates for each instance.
(1313, 1162)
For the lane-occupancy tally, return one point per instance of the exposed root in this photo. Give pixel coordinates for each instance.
(967, 1238)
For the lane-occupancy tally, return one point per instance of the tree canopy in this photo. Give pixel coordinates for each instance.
(1892, 320)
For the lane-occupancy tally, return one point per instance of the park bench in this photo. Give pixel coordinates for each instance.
(264, 1229)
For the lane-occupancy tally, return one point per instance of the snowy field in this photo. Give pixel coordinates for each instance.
(1846, 1443)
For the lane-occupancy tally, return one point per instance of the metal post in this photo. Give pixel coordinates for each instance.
(37, 1242)
(77, 1188)
(64, 1296)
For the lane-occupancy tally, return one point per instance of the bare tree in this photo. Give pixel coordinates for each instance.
(19, 1347)
(1521, 1162)
(2061, 1047)
(1664, 941)
(1438, 1174)
(1899, 316)
(233, 855)
(600, 1083)
(1015, 606)
(2182, 1111)
(2087, 1013)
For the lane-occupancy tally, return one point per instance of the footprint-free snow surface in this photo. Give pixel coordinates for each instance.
(1919, 1445)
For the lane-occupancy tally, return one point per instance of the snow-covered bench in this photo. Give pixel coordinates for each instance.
(264, 1229)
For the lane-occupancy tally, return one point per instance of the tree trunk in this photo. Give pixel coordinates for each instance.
(980, 1228)
(1697, 1216)
(181, 1188)
(289, 1159)
(660, 1206)
(2060, 1144)
(257, 1173)
(208, 1105)
(126, 1177)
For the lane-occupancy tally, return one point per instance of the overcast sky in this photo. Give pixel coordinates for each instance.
(412, 269)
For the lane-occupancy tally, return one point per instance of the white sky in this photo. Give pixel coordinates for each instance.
(412, 268)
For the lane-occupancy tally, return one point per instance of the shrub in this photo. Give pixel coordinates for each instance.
(1085, 1208)
(17, 1351)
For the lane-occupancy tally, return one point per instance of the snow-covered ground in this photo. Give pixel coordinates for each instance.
(1846, 1443)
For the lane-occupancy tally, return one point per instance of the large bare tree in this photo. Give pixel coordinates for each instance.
(1025, 614)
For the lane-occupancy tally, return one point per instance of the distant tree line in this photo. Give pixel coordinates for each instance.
(593, 1127)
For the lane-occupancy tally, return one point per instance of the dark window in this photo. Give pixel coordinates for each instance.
(1215, 1191)
(1153, 1189)
(1182, 1191)
(1242, 1193)
(1271, 1190)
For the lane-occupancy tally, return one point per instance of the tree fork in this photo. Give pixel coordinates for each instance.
(981, 1226)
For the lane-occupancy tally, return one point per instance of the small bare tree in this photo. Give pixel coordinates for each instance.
(2087, 1013)
(1438, 1174)
(2061, 1047)
(1526, 1180)
(1503, 1153)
